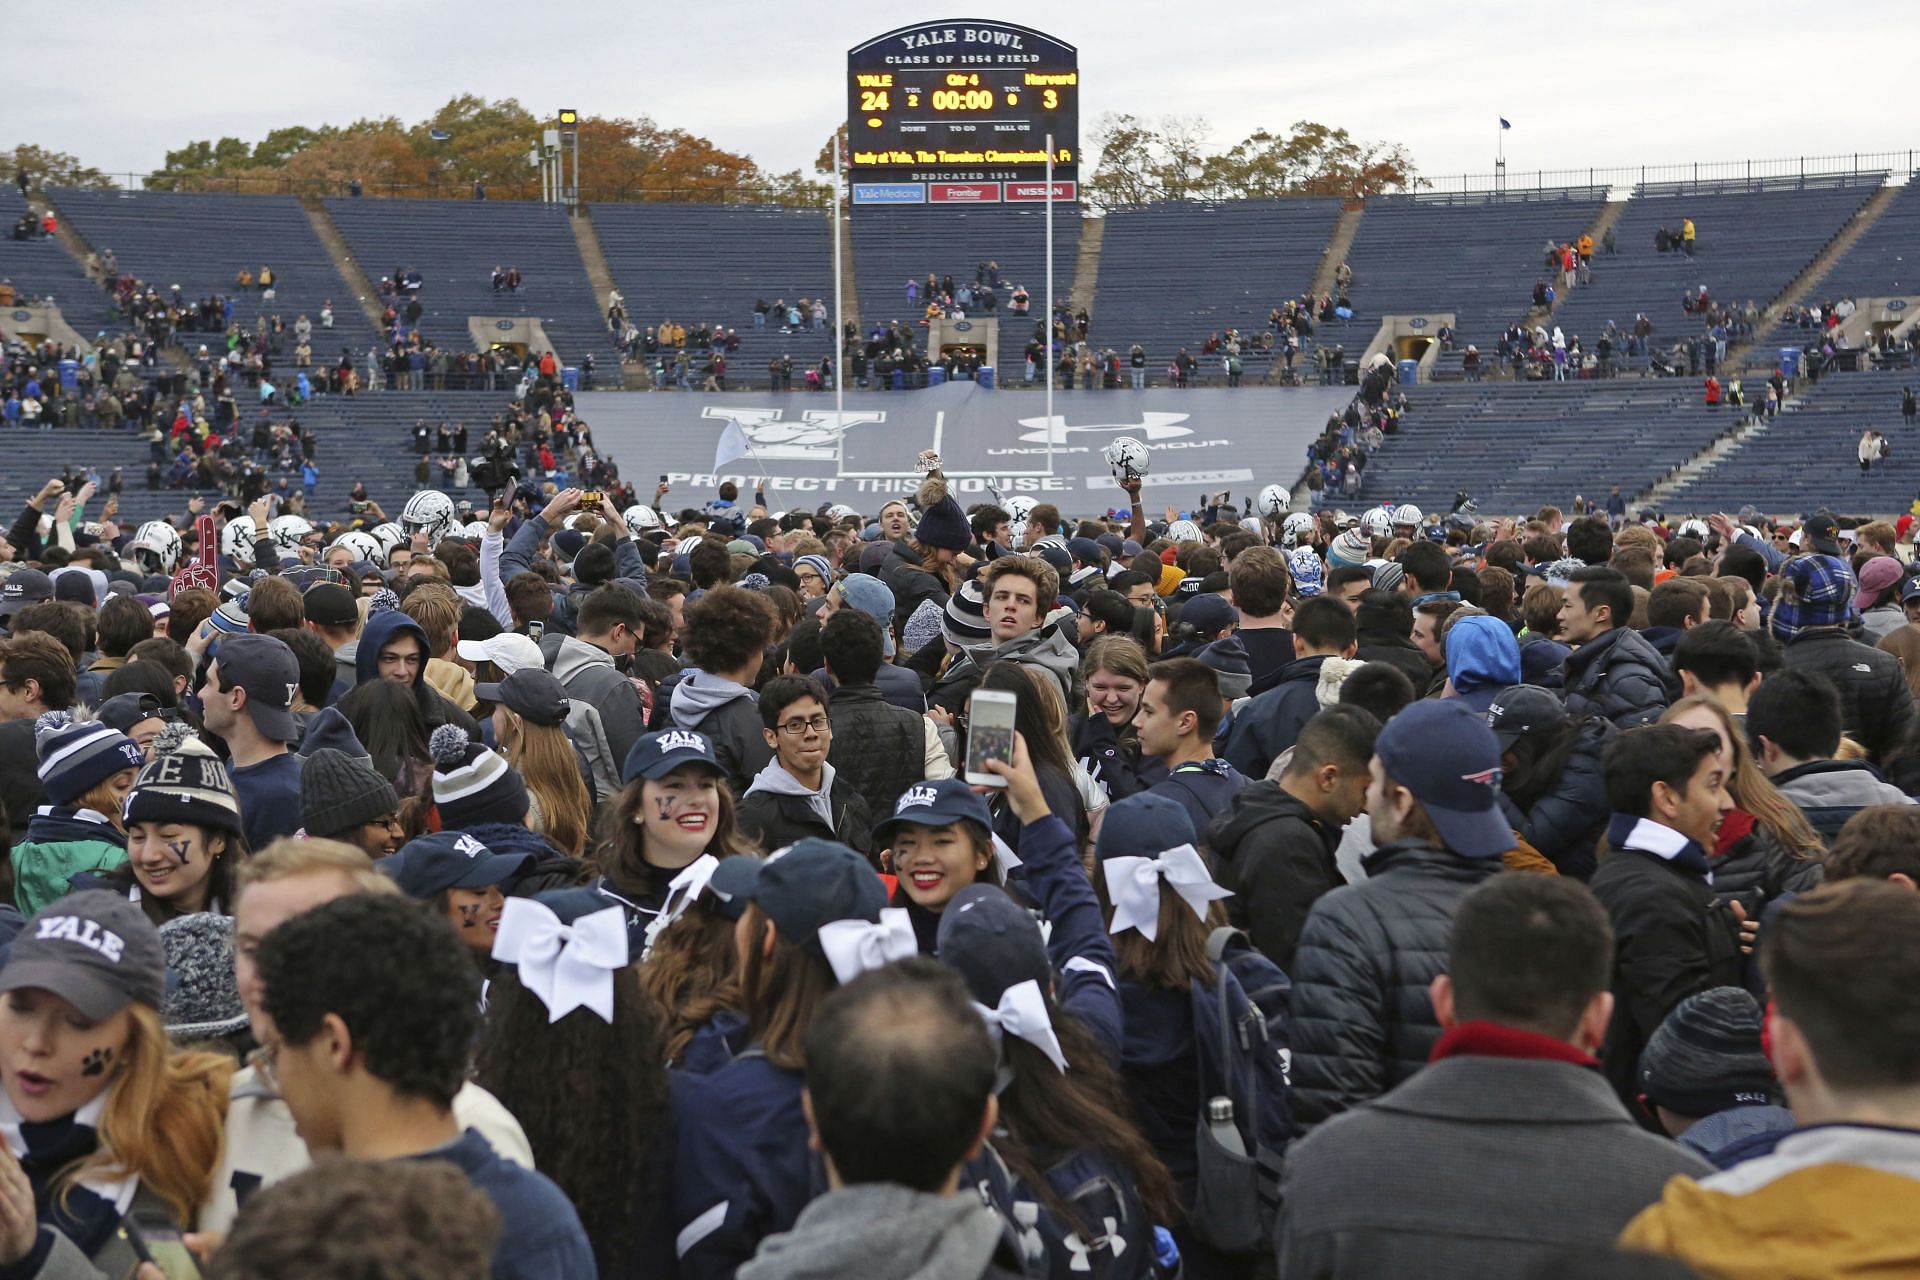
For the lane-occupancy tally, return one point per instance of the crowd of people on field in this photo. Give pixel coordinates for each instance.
(575, 884)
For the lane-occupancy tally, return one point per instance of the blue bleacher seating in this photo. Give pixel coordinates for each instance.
(1750, 243)
(1476, 257)
(1172, 273)
(708, 264)
(1807, 456)
(200, 241)
(455, 244)
(1514, 446)
(44, 268)
(893, 245)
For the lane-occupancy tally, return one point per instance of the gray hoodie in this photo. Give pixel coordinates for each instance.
(879, 1231)
(775, 779)
(589, 676)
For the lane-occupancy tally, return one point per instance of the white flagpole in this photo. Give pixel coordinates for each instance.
(839, 316)
(1046, 346)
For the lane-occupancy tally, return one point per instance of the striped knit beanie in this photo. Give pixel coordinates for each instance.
(75, 758)
(186, 783)
(1707, 1056)
(819, 565)
(966, 620)
(472, 785)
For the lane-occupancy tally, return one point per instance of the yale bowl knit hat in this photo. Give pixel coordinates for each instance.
(184, 782)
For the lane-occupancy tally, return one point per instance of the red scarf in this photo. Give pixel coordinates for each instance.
(1491, 1040)
(1734, 828)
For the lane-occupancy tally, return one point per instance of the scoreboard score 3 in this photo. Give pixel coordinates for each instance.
(963, 99)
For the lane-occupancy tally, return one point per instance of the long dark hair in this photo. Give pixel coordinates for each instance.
(1048, 1114)
(386, 718)
(592, 1097)
(1030, 719)
(781, 992)
(1540, 759)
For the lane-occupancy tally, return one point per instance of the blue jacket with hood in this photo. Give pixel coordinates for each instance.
(380, 629)
(1482, 659)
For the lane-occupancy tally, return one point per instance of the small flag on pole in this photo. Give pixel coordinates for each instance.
(733, 445)
(441, 135)
(1505, 123)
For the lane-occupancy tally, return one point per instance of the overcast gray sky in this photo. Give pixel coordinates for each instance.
(1605, 84)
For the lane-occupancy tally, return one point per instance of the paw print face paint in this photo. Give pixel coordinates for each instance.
(97, 1062)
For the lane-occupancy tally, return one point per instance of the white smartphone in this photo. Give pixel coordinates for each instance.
(989, 734)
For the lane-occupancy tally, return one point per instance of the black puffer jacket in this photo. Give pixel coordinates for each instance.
(1276, 855)
(1362, 1019)
(1757, 861)
(1876, 706)
(1566, 823)
(910, 583)
(1619, 677)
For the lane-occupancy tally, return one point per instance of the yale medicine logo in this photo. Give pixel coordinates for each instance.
(815, 437)
(87, 933)
(681, 740)
(914, 796)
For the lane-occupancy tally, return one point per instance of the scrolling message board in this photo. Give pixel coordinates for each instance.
(963, 101)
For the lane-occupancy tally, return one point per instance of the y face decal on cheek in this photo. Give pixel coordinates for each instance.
(181, 850)
(663, 807)
(470, 914)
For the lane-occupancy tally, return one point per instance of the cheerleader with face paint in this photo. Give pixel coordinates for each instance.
(102, 1118)
(464, 880)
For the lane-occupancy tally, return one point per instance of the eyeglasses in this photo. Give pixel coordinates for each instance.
(794, 728)
(804, 574)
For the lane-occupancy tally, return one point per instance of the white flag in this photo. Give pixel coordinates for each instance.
(732, 447)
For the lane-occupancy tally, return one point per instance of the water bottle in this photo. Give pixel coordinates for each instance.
(1220, 1123)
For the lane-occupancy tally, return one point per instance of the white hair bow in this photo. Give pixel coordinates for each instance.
(1133, 886)
(567, 966)
(1023, 1013)
(1004, 858)
(688, 885)
(854, 946)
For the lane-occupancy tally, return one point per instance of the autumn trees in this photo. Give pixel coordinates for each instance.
(1141, 161)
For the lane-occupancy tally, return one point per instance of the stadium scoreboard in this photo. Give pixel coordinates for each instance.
(959, 112)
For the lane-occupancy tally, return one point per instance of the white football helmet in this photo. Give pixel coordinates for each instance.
(640, 519)
(1406, 515)
(236, 540)
(1377, 521)
(1272, 502)
(1128, 459)
(1184, 531)
(289, 532)
(1020, 507)
(475, 529)
(156, 547)
(1297, 525)
(430, 512)
(840, 511)
(362, 545)
(389, 536)
(1694, 529)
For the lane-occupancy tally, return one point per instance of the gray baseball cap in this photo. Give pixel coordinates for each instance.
(93, 949)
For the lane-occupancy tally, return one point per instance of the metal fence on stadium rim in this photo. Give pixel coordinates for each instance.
(1438, 187)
